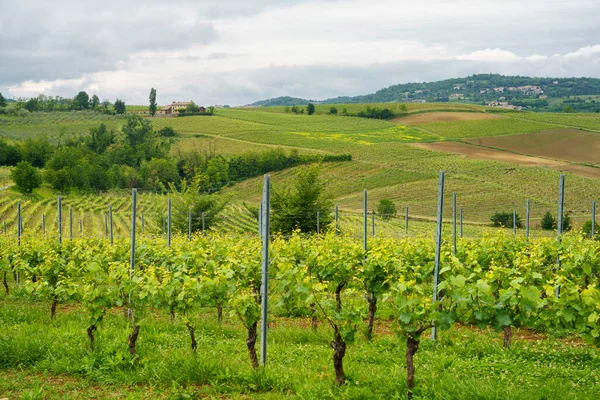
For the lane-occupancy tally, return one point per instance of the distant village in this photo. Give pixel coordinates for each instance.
(501, 102)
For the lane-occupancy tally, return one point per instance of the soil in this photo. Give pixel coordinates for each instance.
(431, 117)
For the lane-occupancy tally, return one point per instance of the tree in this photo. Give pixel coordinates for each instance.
(548, 222)
(332, 110)
(386, 209)
(119, 106)
(32, 105)
(568, 109)
(9, 154)
(189, 197)
(505, 219)
(100, 138)
(26, 177)
(152, 108)
(37, 151)
(310, 109)
(2, 101)
(298, 208)
(82, 101)
(95, 102)
(191, 108)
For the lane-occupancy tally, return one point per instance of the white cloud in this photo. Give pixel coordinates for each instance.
(489, 55)
(587, 51)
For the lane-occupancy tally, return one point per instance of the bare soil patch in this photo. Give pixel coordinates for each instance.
(562, 144)
(430, 117)
(475, 152)
(483, 153)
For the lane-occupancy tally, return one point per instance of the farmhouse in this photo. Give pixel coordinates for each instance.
(174, 107)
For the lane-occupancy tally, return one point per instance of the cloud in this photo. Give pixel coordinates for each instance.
(489, 55)
(241, 51)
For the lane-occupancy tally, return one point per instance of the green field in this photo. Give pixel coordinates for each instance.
(384, 161)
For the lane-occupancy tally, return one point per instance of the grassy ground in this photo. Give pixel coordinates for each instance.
(40, 359)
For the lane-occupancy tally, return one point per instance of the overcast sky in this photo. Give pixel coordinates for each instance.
(239, 51)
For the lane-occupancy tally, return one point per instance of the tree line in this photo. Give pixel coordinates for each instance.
(137, 156)
(81, 101)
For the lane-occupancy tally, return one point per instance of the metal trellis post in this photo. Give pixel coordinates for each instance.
(438, 245)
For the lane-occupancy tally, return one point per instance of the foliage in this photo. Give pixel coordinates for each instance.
(2, 101)
(119, 106)
(26, 177)
(37, 151)
(333, 110)
(81, 101)
(299, 208)
(548, 222)
(586, 229)
(310, 109)
(9, 154)
(505, 219)
(386, 209)
(191, 197)
(376, 113)
(94, 102)
(152, 108)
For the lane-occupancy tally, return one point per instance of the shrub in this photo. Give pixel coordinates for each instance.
(386, 209)
(167, 131)
(26, 177)
(505, 219)
(586, 229)
(332, 110)
(548, 222)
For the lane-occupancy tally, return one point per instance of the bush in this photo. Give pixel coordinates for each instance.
(26, 177)
(386, 209)
(332, 110)
(586, 229)
(298, 208)
(167, 131)
(310, 109)
(505, 219)
(548, 223)
(376, 113)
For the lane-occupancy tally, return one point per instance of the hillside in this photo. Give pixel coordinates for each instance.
(535, 94)
(493, 161)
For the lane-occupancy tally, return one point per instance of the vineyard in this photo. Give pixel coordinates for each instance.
(56, 126)
(396, 108)
(327, 297)
(485, 128)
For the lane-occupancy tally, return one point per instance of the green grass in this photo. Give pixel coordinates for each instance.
(40, 358)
